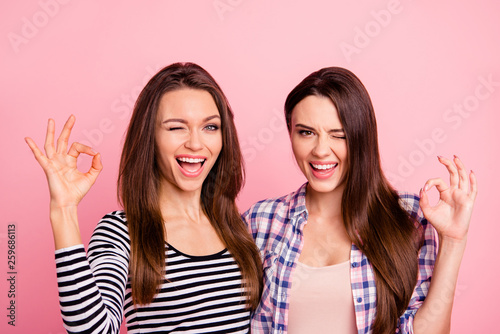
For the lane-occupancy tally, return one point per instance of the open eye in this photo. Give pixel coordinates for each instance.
(305, 133)
(212, 127)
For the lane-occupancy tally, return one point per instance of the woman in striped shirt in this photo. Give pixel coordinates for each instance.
(178, 258)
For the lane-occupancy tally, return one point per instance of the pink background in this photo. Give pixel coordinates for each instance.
(421, 61)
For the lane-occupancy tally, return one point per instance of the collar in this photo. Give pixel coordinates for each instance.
(297, 203)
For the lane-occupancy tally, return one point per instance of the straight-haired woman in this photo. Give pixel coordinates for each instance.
(346, 253)
(178, 257)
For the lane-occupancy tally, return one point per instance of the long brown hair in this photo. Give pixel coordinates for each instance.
(139, 180)
(373, 217)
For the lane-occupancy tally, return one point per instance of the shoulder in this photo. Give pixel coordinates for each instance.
(114, 222)
(411, 203)
(284, 205)
(275, 211)
(267, 207)
(112, 229)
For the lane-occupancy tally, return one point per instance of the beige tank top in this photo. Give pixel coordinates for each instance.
(321, 300)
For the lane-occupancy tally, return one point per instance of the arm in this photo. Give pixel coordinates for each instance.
(426, 261)
(92, 292)
(450, 217)
(261, 318)
(91, 295)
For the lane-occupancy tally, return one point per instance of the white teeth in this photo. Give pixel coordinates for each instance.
(191, 160)
(324, 166)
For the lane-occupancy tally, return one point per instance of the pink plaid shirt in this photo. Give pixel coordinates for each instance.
(276, 226)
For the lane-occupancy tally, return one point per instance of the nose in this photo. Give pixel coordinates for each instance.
(194, 141)
(321, 148)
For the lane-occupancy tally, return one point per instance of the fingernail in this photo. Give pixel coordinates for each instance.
(439, 157)
(456, 157)
(426, 187)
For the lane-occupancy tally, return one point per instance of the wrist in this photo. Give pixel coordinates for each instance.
(65, 226)
(452, 240)
(65, 212)
(60, 205)
(452, 245)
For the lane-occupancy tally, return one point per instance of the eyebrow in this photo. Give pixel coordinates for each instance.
(312, 129)
(180, 120)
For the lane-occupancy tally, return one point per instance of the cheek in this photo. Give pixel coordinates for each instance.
(164, 150)
(344, 158)
(343, 153)
(300, 149)
(300, 152)
(214, 144)
(163, 161)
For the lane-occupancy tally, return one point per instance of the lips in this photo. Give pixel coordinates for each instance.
(323, 170)
(190, 166)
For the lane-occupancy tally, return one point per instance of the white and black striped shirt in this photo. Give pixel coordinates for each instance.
(200, 294)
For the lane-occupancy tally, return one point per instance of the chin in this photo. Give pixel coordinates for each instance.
(325, 187)
(187, 185)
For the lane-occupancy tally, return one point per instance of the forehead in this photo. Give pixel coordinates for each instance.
(317, 111)
(187, 103)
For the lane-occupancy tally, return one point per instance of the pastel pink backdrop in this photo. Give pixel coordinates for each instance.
(431, 69)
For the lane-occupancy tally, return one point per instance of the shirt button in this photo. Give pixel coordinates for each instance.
(359, 300)
(355, 264)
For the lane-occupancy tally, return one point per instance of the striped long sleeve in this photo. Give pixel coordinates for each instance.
(92, 292)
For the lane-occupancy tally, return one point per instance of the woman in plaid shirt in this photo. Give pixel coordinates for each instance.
(347, 232)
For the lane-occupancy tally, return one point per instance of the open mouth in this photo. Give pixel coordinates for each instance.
(323, 167)
(324, 170)
(190, 165)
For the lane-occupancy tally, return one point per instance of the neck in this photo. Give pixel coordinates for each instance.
(325, 205)
(175, 202)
